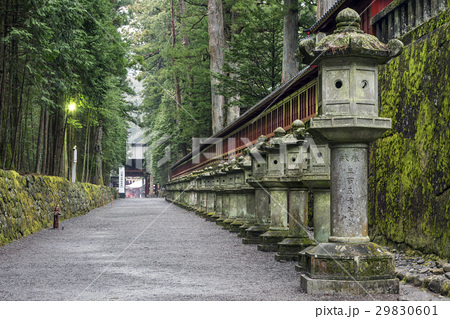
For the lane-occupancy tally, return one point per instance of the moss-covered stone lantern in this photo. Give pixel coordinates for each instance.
(348, 119)
(296, 159)
(217, 189)
(258, 157)
(224, 192)
(278, 191)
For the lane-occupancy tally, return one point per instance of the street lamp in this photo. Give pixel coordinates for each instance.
(72, 106)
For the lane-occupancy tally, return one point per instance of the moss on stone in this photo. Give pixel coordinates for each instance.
(27, 203)
(410, 164)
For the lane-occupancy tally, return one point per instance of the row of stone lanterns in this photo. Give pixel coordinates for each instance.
(263, 195)
(340, 257)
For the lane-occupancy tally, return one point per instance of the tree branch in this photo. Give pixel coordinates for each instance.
(147, 56)
(193, 26)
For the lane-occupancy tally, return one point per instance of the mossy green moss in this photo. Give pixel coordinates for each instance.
(410, 164)
(27, 203)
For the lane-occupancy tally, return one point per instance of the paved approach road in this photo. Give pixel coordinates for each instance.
(145, 249)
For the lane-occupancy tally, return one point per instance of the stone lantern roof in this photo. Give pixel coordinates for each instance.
(349, 40)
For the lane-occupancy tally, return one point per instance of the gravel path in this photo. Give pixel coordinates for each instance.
(147, 249)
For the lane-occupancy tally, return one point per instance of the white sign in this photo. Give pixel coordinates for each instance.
(122, 179)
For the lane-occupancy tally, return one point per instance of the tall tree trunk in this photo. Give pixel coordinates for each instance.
(4, 54)
(29, 140)
(216, 53)
(175, 76)
(290, 40)
(45, 143)
(183, 13)
(16, 153)
(54, 152)
(10, 111)
(185, 43)
(99, 150)
(233, 111)
(86, 143)
(90, 166)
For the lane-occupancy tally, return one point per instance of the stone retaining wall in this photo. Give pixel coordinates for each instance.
(410, 164)
(27, 202)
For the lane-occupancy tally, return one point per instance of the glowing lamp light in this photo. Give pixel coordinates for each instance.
(72, 106)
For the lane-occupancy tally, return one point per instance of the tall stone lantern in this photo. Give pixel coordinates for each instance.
(348, 119)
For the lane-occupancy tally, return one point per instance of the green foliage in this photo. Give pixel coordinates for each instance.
(161, 62)
(254, 60)
(65, 51)
(254, 32)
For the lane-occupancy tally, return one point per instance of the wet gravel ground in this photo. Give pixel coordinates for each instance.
(148, 249)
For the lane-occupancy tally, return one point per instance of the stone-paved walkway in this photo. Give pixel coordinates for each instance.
(147, 249)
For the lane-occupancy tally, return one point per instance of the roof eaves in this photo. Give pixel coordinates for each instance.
(326, 15)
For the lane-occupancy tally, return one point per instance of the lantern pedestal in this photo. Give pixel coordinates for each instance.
(364, 268)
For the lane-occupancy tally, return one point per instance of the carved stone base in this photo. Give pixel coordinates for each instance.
(348, 268)
(236, 225)
(289, 248)
(227, 223)
(271, 238)
(220, 221)
(253, 233)
(321, 286)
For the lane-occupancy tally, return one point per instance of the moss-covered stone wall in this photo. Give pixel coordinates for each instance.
(27, 203)
(410, 165)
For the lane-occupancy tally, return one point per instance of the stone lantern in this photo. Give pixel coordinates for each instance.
(217, 174)
(249, 191)
(296, 159)
(209, 190)
(240, 196)
(201, 193)
(348, 120)
(193, 191)
(180, 189)
(176, 191)
(232, 190)
(225, 194)
(185, 195)
(169, 191)
(197, 182)
(278, 191)
(258, 157)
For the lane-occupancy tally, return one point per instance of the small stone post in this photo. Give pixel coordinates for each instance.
(348, 99)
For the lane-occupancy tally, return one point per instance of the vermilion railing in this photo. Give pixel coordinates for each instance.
(302, 104)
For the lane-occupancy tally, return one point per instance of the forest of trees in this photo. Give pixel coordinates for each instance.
(204, 62)
(64, 66)
(56, 54)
